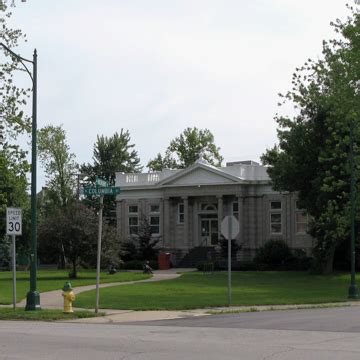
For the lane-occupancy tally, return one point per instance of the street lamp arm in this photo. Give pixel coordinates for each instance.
(21, 59)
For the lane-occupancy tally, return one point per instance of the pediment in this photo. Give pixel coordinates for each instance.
(200, 176)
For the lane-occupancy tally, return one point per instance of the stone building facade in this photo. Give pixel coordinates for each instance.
(185, 208)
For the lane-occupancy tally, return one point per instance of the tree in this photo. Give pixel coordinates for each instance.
(13, 122)
(12, 98)
(112, 154)
(59, 164)
(312, 155)
(184, 150)
(72, 229)
(147, 243)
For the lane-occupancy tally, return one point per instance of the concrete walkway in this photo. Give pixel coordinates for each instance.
(54, 300)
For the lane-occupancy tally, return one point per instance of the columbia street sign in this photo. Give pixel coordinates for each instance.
(110, 190)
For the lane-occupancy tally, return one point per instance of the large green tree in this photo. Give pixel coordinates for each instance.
(312, 156)
(185, 149)
(112, 154)
(72, 230)
(59, 164)
(13, 122)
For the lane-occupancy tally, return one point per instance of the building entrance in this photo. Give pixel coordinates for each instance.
(209, 230)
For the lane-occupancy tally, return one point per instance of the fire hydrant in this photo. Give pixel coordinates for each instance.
(69, 297)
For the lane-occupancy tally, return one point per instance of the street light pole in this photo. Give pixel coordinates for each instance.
(33, 296)
(353, 293)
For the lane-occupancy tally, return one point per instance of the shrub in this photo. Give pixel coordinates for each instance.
(138, 265)
(273, 255)
(207, 266)
(235, 247)
(129, 251)
(276, 255)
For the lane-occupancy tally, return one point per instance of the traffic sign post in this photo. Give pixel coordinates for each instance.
(13, 221)
(99, 255)
(229, 229)
(13, 228)
(102, 188)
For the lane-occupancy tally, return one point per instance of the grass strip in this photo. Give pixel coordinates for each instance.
(276, 308)
(199, 291)
(44, 315)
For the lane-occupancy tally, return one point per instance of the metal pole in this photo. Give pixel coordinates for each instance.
(99, 254)
(229, 261)
(33, 296)
(14, 270)
(353, 294)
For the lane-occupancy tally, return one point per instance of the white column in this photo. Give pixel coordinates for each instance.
(186, 220)
(220, 214)
(166, 221)
(241, 218)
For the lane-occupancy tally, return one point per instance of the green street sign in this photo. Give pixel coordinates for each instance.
(110, 190)
(101, 182)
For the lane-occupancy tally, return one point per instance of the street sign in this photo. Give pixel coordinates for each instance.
(111, 190)
(13, 221)
(230, 230)
(101, 182)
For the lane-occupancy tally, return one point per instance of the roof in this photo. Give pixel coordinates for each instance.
(199, 173)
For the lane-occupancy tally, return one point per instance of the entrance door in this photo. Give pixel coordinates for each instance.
(209, 232)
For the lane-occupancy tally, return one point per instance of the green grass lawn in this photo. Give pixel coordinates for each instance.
(55, 279)
(198, 290)
(43, 315)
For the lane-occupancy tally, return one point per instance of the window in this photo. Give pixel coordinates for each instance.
(208, 207)
(301, 220)
(275, 217)
(154, 208)
(235, 209)
(155, 224)
(133, 209)
(275, 205)
(155, 219)
(133, 225)
(133, 220)
(181, 213)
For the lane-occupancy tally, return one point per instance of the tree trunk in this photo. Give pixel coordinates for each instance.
(329, 261)
(73, 274)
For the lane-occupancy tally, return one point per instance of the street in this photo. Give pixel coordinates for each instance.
(211, 337)
(336, 319)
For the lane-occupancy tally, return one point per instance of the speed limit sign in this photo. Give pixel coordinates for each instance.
(13, 221)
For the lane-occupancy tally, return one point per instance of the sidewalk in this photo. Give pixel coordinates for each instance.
(54, 300)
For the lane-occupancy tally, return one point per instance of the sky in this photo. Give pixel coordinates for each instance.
(157, 67)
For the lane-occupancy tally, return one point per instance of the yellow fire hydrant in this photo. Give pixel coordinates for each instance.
(69, 297)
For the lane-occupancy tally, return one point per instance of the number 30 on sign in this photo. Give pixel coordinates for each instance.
(13, 221)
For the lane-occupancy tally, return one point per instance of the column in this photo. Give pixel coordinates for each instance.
(186, 221)
(241, 218)
(220, 214)
(166, 222)
(195, 241)
(162, 227)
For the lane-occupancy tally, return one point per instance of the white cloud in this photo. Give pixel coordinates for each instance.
(156, 67)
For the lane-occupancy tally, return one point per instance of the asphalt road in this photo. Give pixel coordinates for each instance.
(346, 319)
(41, 340)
